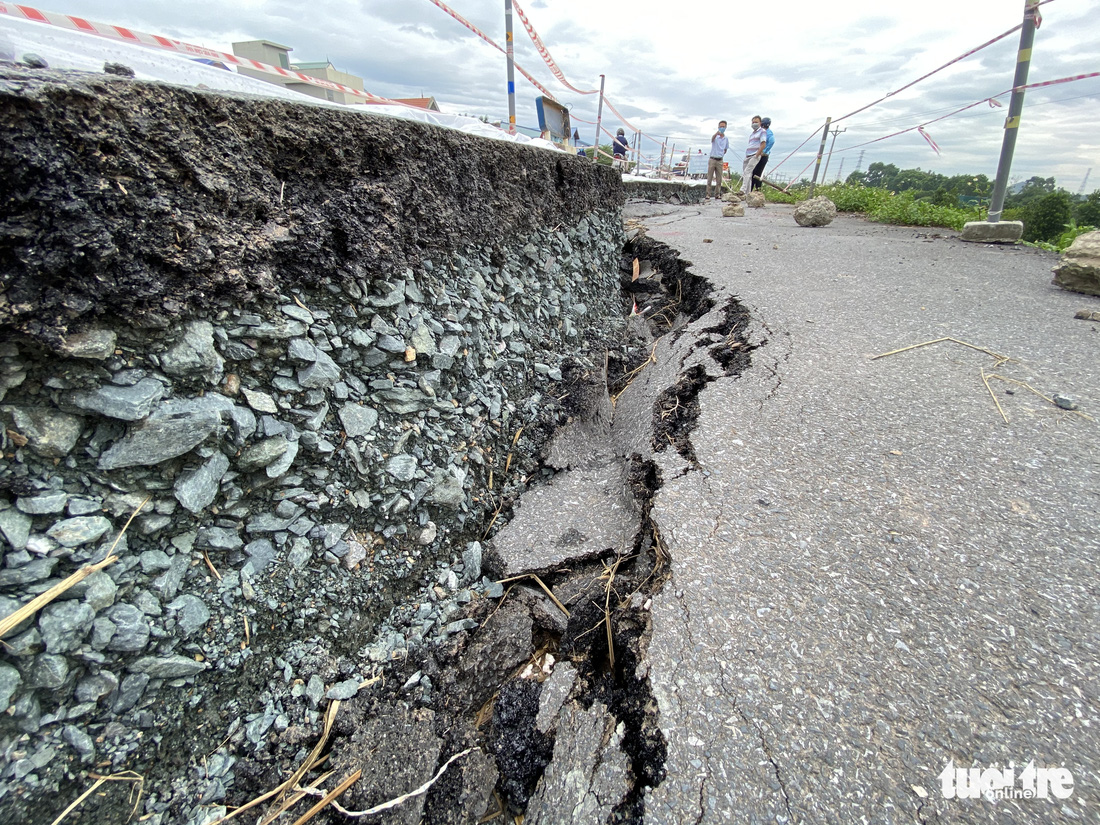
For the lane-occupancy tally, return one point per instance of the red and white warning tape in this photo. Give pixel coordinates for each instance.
(440, 4)
(544, 53)
(155, 41)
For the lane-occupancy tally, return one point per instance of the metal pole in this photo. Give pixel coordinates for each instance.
(672, 161)
(820, 152)
(511, 68)
(599, 120)
(1015, 109)
(825, 173)
(661, 164)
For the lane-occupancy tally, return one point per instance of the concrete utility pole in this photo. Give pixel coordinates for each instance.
(511, 68)
(599, 120)
(820, 152)
(993, 229)
(825, 173)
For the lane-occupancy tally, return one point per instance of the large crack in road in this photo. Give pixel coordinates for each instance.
(548, 695)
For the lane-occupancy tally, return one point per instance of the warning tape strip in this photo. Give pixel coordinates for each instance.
(443, 6)
(155, 41)
(544, 53)
(920, 127)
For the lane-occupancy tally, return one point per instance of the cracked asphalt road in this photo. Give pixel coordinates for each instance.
(873, 574)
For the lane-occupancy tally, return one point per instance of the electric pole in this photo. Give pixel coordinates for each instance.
(831, 147)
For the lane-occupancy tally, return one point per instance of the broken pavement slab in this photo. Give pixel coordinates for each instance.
(578, 515)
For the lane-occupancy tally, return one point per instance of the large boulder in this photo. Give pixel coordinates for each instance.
(818, 211)
(733, 210)
(1079, 269)
(756, 199)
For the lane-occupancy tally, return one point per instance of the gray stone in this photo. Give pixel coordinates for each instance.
(1079, 269)
(99, 590)
(9, 684)
(260, 401)
(16, 527)
(449, 345)
(96, 344)
(219, 538)
(404, 401)
(315, 689)
(343, 690)
(32, 571)
(733, 210)
(588, 775)
(756, 200)
(358, 420)
(261, 552)
(390, 343)
(402, 467)
(167, 667)
(194, 354)
(94, 687)
(283, 463)
(423, 341)
(447, 491)
(986, 232)
(130, 691)
(64, 625)
(73, 532)
(300, 553)
(159, 440)
(124, 403)
(131, 628)
(49, 671)
(819, 211)
(43, 504)
(321, 372)
(197, 489)
(471, 562)
(80, 742)
(297, 313)
(262, 453)
(191, 614)
(103, 630)
(8, 605)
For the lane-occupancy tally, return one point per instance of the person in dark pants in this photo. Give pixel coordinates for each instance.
(758, 172)
(620, 149)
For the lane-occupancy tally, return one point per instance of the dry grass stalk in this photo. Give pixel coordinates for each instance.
(630, 376)
(310, 762)
(125, 776)
(1000, 358)
(541, 584)
(329, 798)
(393, 803)
(610, 572)
(38, 602)
(210, 564)
(985, 381)
(34, 605)
(1030, 388)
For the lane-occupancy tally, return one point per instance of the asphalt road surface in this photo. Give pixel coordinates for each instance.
(874, 576)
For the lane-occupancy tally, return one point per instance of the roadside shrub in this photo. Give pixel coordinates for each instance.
(1065, 240)
(1047, 217)
(854, 197)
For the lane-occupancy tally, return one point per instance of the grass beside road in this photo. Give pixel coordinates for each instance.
(903, 209)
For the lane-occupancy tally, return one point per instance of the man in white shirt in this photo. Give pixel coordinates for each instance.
(753, 152)
(719, 143)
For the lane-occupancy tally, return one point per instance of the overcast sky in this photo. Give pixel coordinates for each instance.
(674, 69)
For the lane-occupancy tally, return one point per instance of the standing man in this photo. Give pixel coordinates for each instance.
(758, 172)
(719, 144)
(753, 152)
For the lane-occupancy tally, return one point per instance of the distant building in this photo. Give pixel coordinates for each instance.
(276, 54)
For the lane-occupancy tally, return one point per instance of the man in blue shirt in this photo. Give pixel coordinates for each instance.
(758, 172)
(719, 144)
(619, 149)
(753, 151)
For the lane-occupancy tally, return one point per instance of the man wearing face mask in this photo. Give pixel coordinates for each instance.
(719, 143)
(753, 152)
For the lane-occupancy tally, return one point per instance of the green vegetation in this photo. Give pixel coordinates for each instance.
(1052, 217)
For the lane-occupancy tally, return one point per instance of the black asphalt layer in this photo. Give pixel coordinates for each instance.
(875, 577)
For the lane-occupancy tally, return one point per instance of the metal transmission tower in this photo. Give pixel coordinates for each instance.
(859, 163)
(1081, 191)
